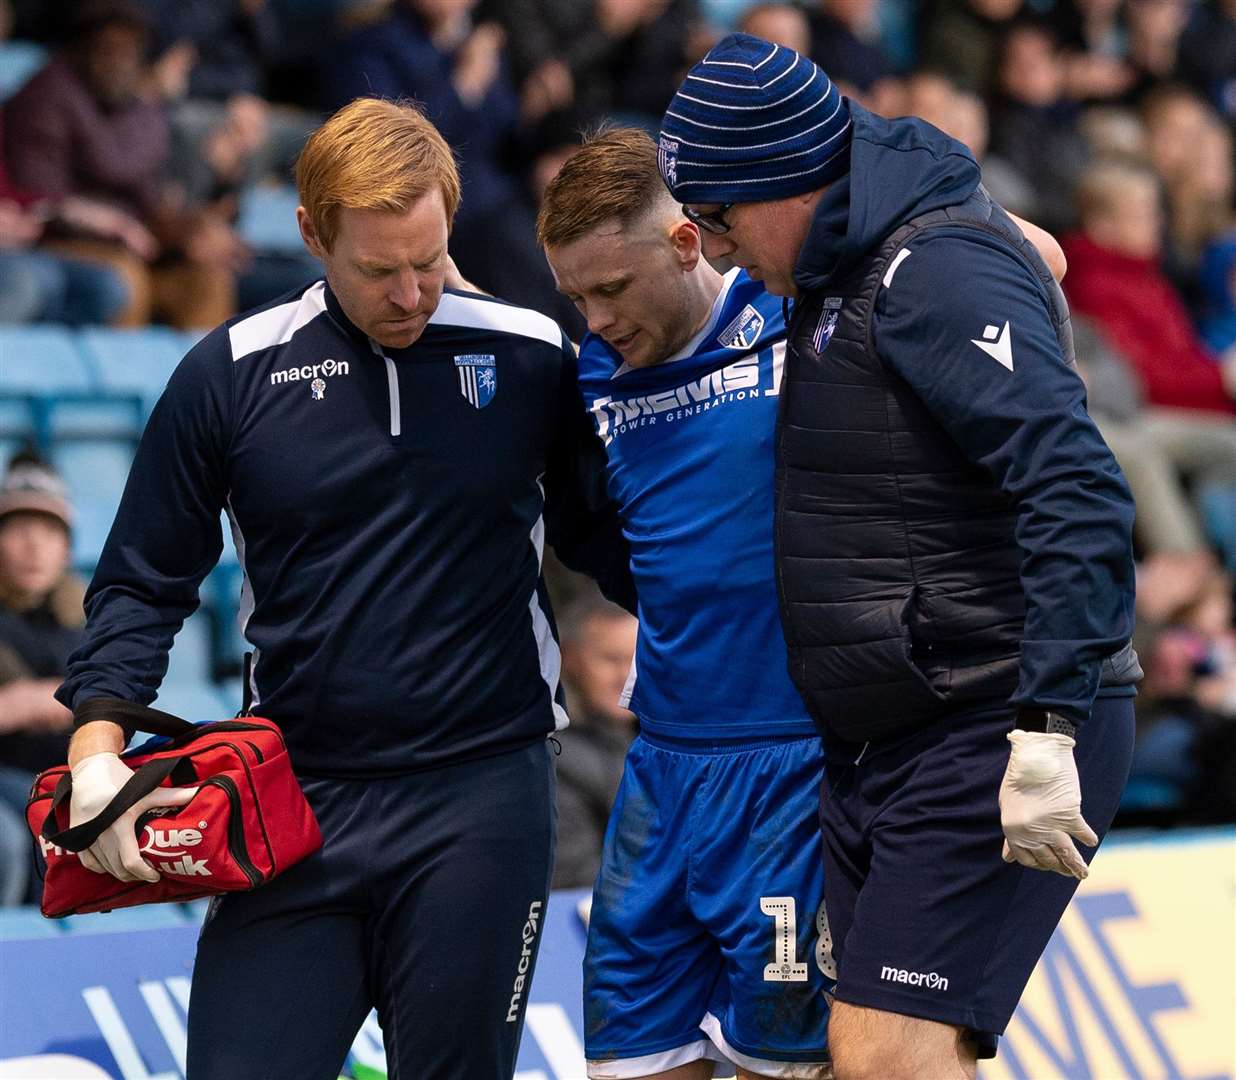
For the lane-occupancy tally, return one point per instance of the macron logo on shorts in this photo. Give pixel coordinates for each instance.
(532, 927)
(929, 979)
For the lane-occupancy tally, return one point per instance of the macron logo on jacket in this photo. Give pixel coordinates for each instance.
(326, 369)
(997, 344)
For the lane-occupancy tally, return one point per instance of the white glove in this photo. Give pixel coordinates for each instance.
(96, 779)
(1040, 805)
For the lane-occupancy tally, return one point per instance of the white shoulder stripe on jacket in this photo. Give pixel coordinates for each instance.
(487, 315)
(276, 325)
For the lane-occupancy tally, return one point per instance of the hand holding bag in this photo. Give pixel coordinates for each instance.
(248, 821)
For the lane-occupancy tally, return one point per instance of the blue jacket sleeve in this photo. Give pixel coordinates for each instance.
(581, 520)
(967, 325)
(165, 539)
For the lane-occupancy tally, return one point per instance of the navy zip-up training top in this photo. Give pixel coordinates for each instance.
(389, 510)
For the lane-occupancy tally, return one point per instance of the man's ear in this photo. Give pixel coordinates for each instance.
(308, 234)
(684, 237)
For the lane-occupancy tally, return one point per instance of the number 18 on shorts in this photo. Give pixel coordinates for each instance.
(708, 937)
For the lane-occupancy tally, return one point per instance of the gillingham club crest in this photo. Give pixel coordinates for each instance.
(744, 331)
(478, 378)
(827, 324)
(667, 159)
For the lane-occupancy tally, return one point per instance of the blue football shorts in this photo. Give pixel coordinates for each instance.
(708, 937)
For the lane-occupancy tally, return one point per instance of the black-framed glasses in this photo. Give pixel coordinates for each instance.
(712, 221)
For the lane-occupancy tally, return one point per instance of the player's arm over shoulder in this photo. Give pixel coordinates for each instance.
(582, 520)
(1046, 244)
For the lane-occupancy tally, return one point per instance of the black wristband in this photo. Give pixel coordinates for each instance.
(1049, 723)
(113, 710)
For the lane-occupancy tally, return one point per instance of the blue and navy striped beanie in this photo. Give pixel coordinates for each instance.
(753, 121)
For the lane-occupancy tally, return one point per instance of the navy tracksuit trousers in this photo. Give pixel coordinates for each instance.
(418, 904)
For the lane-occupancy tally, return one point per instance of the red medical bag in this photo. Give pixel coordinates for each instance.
(248, 821)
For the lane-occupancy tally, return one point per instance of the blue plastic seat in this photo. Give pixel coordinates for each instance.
(94, 416)
(43, 359)
(19, 60)
(11, 440)
(221, 590)
(193, 701)
(191, 659)
(17, 418)
(47, 361)
(268, 219)
(232, 694)
(134, 361)
(95, 471)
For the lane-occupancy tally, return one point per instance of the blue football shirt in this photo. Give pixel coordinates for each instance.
(690, 461)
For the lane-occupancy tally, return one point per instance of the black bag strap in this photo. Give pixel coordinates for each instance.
(131, 715)
(145, 778)
(246, 687)
(144, 718)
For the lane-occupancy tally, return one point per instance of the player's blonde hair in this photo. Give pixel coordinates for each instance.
(612, 175)
(373, 155)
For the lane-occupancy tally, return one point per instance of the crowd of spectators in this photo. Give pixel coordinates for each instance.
(126, 154)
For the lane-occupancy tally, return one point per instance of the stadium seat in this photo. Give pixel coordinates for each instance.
(194, 701)
(95, 471)
(134, 361)
(187, 338)
(19, 60)
(45, 362)
(94, 416)
(18, 423)
(268, 219)
(232, 692)
(12, 439)
(231, 696)
(221, 590)
(191, 660)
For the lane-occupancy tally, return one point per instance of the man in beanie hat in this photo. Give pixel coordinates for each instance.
(952, 545)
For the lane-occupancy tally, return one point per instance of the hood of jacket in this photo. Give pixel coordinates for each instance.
(899, 170)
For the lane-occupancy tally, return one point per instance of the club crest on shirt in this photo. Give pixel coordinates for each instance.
(744, 331)
(827, 324)
(478, 378)
(667, 159)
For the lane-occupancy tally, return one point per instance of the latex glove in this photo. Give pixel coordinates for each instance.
(96, 779)
(1040, 805)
